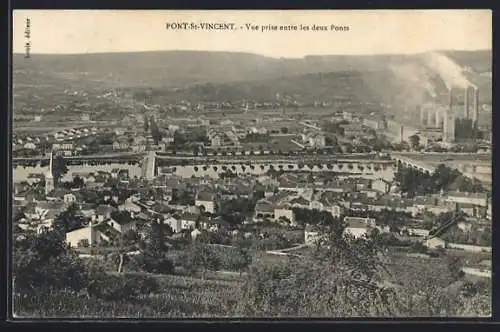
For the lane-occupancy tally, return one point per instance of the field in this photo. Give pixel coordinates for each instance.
(180, 297)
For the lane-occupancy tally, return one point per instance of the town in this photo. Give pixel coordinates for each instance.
(274, 182)
(251, 177)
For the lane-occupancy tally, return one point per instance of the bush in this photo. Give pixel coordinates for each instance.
(121, 287)
(149, 263)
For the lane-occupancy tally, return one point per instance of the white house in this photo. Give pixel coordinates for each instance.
(311, 235)
(174, 223)
(381, 185)
(88, 236)
(434, 243)
(69, 198)
(284, 212)
(30, 146)
(358, 226)
(130, 206)
(122, 222)
(206, 199)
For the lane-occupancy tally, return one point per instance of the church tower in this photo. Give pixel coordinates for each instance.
(49, 178)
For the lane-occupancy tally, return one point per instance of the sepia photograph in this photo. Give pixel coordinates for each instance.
(228, 164)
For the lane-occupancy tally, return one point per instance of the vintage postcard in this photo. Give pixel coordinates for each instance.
(251, 164)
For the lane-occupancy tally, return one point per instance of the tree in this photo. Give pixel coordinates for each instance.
(199, 257)
(43, 263)
(68, 221)
(155, 132)
(78, 182)
(146, 123)
(455, 267)
(341, 279)
(59, 168)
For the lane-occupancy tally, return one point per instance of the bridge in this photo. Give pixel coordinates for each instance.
(98, 158)
(368, 168)
(471, 165)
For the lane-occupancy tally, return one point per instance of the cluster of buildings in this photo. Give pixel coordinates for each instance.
(64, 141)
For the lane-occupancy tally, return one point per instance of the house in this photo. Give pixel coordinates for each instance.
(413, 231)
(86, 210)
(464, 226)
(300, 202)
(130, 207)
(434, 243)
(264, 209)
(358, 227)
(188, 220)
(121, 144)
(43, 210)
(353, 130)
(69, 198)
(140, 143)
(103, 212)
(123, 174)
(122, 221)
(30, 146)
(374, 122)
(325, 205)
(381, 185)
(317, 140)
(284, 212)
(214, 224)
(175, 224)
(469, 209)
(479, 199)
(85, 236)
(206, 200)
(114, 173)
(311, 235)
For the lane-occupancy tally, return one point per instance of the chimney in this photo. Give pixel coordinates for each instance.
(429, 118)
(475, 107)
(450, 100)
(422, 114)
(466, 102)
(438, 118)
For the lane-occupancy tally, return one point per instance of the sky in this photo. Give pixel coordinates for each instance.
(370, 31)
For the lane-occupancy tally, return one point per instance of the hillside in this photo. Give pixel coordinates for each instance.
(401, 80)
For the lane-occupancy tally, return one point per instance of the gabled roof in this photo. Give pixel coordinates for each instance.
(187, 216)
(205, 196)
(264, 206)
(300, 201)
(122, 218)
(104, 209)
(46, 205)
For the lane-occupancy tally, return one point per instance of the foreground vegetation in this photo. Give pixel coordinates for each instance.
(342, 277)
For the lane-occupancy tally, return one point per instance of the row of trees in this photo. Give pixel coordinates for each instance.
(415, 182)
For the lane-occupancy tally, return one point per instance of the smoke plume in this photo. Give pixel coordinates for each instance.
(449, 71)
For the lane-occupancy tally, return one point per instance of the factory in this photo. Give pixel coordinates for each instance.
(455, 123)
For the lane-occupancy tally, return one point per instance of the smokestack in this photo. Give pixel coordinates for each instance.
(422, 114)
(429, 118)
(475, 108)
(466, 102)
(449, 121)
(438, 118)
(450, 100)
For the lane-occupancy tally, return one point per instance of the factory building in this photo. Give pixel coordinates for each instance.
(462, 127)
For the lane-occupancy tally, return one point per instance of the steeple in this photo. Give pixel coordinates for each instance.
(49, 178)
